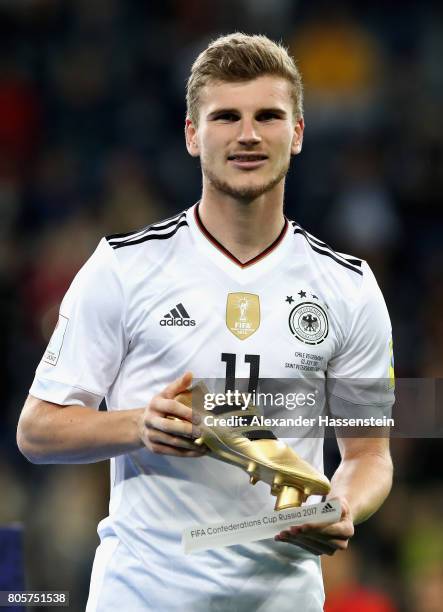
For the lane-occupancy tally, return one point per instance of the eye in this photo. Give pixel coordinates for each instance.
(267, 116)
(228, 117)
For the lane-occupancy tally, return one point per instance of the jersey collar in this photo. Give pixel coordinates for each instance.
(208, 236)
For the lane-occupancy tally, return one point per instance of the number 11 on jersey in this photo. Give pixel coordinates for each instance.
(254, 371)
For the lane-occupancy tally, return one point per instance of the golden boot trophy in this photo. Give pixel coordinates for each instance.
(256, 450)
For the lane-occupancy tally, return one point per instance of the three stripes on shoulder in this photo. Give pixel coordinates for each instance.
(352, 263)
(167, 228)
(157, 231)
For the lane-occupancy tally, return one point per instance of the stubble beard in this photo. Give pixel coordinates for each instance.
(247, 193)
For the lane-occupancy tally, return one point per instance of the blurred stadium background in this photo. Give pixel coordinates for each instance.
(91, 143)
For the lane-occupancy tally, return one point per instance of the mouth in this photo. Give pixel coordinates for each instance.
(247, 161)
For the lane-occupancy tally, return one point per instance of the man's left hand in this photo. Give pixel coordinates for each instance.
(321, 539)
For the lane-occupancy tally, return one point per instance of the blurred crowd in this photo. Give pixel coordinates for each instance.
(91, 143)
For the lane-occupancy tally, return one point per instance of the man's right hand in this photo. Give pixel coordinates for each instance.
(171, 436)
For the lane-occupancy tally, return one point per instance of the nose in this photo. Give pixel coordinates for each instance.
(248, 134)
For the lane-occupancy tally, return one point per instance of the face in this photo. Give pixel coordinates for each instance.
(246, 135)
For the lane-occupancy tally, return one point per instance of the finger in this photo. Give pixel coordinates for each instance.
(326, 536)
(345, 509)
(329, 543)
(174, 426)
(284, 534)
(165, 449)
(298, 542)
(173, 408)
(337, 545)
(343, 529)
(156, 436)
(322, 548)
(317, 546)
(318, 527)
(316, 542)
(177, 386)
(334, 543)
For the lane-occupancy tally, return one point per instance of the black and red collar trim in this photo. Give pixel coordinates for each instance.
(225, 251)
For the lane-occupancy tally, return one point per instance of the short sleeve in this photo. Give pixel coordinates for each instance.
(88, 345)
(360, 380)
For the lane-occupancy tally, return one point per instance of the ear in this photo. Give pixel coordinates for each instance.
(297, 138)
(191, 138)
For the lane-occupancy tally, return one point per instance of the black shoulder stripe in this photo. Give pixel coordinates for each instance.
(121, 235)
(151, 228)
(155, 227)
(148, 227)
(352, 260)
(325, 250)
(312, 239)
(339, 261)
(146, 237)
(158, 228)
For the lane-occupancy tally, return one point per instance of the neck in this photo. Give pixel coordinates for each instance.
(244, 228)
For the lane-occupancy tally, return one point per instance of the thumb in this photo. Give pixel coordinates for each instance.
(345, 508)
(177, 386)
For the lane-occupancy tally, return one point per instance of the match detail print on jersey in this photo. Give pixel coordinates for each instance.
(242, 314)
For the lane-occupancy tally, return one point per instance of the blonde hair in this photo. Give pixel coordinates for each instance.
(242, 57)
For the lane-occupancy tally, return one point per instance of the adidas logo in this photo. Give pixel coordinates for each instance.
(177, 317)
(327, 508)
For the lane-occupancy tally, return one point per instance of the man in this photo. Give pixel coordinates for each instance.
(152, 306)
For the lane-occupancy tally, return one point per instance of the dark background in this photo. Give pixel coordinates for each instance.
(91, 142)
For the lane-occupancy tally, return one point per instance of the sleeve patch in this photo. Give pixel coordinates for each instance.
(56, 342)
(391, 365)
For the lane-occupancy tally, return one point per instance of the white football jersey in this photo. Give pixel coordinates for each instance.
(152, 304)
